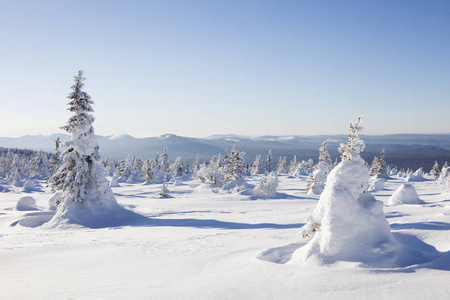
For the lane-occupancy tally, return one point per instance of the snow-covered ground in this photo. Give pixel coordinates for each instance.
(206, 244)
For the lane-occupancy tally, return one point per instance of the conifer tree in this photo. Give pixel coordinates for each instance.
(269, 161)
(81, 178)
(281, 166)
(374, 166)
(257, 167)
(293, 165)
(164, 161)
(235, 167)
(56, 158)
(435, 170)
(164, 193)
(318, 176)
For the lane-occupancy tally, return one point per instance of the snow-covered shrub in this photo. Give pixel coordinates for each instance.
(210, 175)
(26, 203)
(405, 194)
(416, 176)
(267, 186)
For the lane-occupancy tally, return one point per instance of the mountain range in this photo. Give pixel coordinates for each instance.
(402, 150)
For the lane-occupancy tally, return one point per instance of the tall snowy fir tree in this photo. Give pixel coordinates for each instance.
(80, 178)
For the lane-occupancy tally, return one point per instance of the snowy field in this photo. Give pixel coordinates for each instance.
(206, 244)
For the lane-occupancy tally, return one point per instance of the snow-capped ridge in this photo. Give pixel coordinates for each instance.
(122, 136)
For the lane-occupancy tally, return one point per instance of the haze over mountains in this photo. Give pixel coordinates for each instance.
(403, 150)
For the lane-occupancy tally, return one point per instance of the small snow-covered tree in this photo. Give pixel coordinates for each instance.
(81, 178)
(178, 167)
(281, 166)
(164, 193)
(444, 178)
(235, 167)
(348, 222)
(292, 165)
(195, 166)
(435, 170)
(257, 167)
(56, 157)
(269, 162)
(374, 166)
(378, 166)
(350, 151)
(164, 161)
(318, 176)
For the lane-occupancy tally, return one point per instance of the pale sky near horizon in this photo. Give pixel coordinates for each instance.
(197, 68)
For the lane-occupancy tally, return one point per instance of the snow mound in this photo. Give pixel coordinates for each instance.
(114, 182)
(3, 189)
(405, 194)
(52, 202)
(377, 184)
(71, 215)
(28, 186)
(236, 186)
(176, 181)
(267, 186)
(417, 176)
(26, 203)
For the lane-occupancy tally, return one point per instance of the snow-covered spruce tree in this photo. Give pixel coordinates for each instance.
(269, 162)
(178, 168)
(281, 166)
(195, 167)
(435, 170)
(164, 161)
(235, 167)
(348, 223)
(164, 193)
(378, 166)
(81, 178)
(318, 176)
(257, 167)
(374, 166)
(292, 165)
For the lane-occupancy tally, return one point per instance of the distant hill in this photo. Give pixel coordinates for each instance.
(403, 150)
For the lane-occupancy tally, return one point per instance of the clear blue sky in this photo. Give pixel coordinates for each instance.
(197, 68)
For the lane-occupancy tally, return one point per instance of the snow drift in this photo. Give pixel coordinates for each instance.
(405, 194)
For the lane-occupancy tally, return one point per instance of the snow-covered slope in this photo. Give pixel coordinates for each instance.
(201, 244)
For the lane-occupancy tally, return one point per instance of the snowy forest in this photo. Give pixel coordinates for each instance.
(221, 222)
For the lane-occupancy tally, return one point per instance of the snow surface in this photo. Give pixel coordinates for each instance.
(205, 244)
